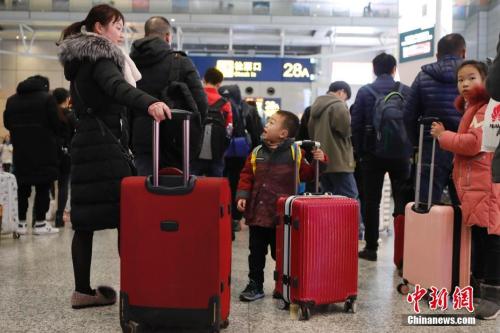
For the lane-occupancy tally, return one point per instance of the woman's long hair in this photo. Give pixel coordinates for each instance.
(103, 14)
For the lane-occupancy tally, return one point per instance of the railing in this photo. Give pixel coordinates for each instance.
(323, 8)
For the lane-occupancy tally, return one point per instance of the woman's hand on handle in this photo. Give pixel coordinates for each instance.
(159, 111)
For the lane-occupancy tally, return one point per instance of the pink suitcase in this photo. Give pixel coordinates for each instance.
(317, 251)
(436, 243)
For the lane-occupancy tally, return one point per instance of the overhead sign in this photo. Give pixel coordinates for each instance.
(266, 106)
(258, 69)
(416, 44)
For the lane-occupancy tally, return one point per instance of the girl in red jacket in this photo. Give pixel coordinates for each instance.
(479, 196)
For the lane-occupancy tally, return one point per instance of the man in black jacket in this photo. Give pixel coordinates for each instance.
(433, 94)
(31, 117)
(155, 59)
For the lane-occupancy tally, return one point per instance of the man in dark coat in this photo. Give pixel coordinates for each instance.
(155, 60)
(373, 167)
(493, 87)
(31, 117)
(432, 95)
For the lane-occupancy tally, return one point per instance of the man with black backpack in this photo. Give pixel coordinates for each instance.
(171, 76)
(381, 144)
(217, 128)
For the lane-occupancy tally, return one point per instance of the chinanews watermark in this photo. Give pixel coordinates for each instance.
(438, 300)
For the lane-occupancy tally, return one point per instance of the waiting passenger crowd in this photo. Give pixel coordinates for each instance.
(101, 131)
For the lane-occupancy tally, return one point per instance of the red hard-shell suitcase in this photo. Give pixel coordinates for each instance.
(175, 250)
(317, 251)
(399, 236)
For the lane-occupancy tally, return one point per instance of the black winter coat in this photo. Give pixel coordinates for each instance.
(433, 94)
(304, 121)
(493, 88)
(154, 57)
(66, 133)
(364, 106)
(31, 117)
(251, 119)
(94, 65)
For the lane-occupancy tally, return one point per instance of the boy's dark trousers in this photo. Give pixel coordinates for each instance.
(260, 239)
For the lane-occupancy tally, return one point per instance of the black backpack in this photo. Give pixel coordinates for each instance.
(214, 139)
(177, 95)
(241, 141)
(390, 137)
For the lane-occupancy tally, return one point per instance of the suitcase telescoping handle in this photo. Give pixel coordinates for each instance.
(423, 122)
(177, 114)
(308, 145)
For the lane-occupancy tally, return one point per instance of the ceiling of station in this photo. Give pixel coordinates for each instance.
(217, 33)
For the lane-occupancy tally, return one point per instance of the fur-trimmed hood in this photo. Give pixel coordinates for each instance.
(87, 47)
(479, 96)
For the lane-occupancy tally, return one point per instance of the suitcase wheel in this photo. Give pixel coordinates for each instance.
(224, 324)
(304, 312)
(131, 327)
(403, 289)
(282, 304)
(351, 305)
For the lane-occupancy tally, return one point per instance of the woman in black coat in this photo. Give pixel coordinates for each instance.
(102, 87)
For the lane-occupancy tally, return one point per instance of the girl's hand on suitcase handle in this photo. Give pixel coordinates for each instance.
(437, 129)
(242, 203)
(159, 110)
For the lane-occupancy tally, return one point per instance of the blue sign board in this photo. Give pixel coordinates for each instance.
(258, 69)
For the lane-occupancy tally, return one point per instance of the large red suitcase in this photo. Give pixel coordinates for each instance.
(175, 251)
(317, 251)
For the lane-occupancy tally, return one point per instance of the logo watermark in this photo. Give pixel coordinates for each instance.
(439, 320)
(438, 300)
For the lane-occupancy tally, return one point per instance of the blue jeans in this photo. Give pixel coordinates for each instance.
(343, 183)
(340, 183)
(208, 168)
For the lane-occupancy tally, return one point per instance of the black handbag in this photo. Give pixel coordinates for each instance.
(127, 154)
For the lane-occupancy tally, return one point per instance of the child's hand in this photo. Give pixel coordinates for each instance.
(437, 129)
(319, 155)
(242, 203)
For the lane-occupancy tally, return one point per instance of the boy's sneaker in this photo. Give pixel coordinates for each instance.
(44, 228)
(22, 228)
(252, 292)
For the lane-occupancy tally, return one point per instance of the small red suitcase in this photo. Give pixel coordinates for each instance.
(317, 251)
(175, 250)
(399, 237)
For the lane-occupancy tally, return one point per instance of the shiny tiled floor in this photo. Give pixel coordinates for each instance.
(36, 283)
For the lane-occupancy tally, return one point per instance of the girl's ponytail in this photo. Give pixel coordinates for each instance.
(72, 29)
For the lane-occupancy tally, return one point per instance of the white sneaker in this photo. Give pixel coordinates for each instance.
(44, 229)
(22, 228)
(51, 213)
